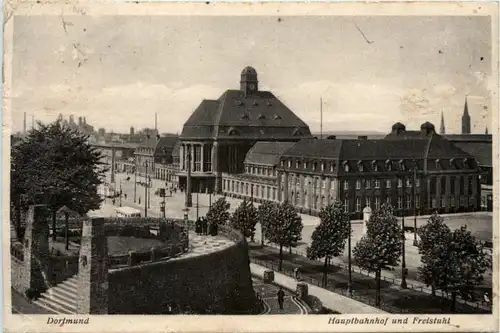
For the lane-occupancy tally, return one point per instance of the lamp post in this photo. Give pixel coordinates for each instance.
(415, 242)
(186, 223)
(403, 263)
(349, 263)
(120, 192)
(162, 207)
(146, 191)
(135, 180)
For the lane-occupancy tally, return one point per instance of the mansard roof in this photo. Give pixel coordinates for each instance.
(258, 116)
(267, 153)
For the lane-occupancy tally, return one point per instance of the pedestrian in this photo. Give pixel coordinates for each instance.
(114, 201)
(198, 228)
(139, 200)
(204, 226)
(125, 194)
(486, 298)
(281, 297)
(296, 273)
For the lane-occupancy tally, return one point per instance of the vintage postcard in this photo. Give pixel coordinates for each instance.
(250, 167)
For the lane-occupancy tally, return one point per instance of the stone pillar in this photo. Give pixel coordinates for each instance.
(301, 191)
(36, 249)
(309, 192)
(457, 191)
(279, 187)
(285, 186)
(301, 290)
(181, 157)
(202, 155)
(448, 192)
(113, 156)
(215, 166)
(192, 156)
(93, 269)
(328, 189)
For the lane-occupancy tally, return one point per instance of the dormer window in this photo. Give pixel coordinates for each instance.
(255, 103)
(438, 163)
(245, 116)
(322, 166)
(346, 166)
(401, 165)
(297, 164)
(261, 116)
(360, 166)
(269, 104)
(332, 167)
(388, 165)
(452, 163)
(374, 166)
(466, 163)
(276, 117)
(239, 103)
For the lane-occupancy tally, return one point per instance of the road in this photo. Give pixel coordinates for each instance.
(394, 299)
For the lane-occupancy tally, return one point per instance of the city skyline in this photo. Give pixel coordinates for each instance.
(368, 74)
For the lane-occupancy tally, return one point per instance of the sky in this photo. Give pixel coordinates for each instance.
(370, 71)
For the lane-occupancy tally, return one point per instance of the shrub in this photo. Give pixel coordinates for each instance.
(32, 294)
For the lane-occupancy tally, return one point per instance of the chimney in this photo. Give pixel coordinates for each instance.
(427, 128)
(362, 137)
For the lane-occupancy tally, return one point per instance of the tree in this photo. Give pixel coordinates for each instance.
(452, 261)
(433, 242)
(329, 237)
(244, 219)
(55, 165)
(267, 214)
(286, 229)
(219, 212)
(381, 247)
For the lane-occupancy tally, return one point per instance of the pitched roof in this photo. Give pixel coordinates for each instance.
(167, 143)
(267, 153)
(482, 151)
(258, 116)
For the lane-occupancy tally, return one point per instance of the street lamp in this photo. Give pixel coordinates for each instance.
(415, 241)
(162, 207)
(121, 193)
(186, 223)
(349, 260)
(135, 179)
(146, 190)
(403, 263)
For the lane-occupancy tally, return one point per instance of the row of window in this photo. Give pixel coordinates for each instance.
(259, 191)
(260, 170)
(389, 165)
(367, 184)
(407, 202)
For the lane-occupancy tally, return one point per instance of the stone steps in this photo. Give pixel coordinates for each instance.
(62, 298)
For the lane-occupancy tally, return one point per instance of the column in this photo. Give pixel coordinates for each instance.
(202, 168)
(192, 156)
(301, 191)
(181, 157)
(279, 186)
(429, 201)
(215, 165)
(285, 187)
(309, 192)
(328, 188)
(448, 193)
(438, 192)
(93, 269)
(477, 199)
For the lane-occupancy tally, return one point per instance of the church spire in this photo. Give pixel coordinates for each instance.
(442, 129)
(466, 119)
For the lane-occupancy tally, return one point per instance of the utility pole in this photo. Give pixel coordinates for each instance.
(135, 180)
(415, 242)
(146, 192)
(403, 261)
(321, 117)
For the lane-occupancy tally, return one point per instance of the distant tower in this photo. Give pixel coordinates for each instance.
(249, 83)
(32, 122)
(79, 122)
(24, 125)
(132, 131)
(466, 119)
(442, 129)
(486, 130)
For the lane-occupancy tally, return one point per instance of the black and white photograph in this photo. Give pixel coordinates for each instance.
(275, 162)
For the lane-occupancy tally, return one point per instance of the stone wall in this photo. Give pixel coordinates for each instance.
(17, 274)
(218, 283)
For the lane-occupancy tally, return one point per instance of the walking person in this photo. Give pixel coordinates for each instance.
(281, 298)
(204, 226)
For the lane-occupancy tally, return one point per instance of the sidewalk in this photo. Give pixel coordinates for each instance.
(394, 298)
(330, 300)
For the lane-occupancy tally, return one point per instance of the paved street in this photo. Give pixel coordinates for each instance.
(394, 299)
